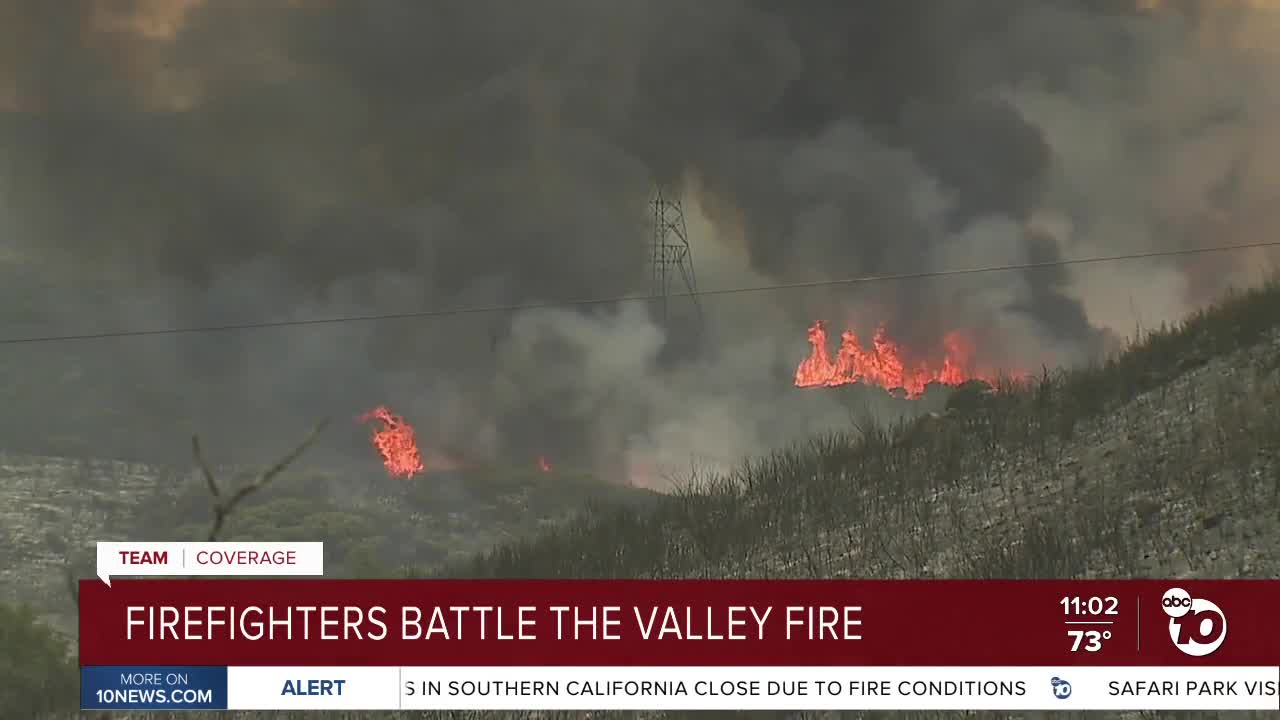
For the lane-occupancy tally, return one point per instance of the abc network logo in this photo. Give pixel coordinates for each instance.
(1196, 625)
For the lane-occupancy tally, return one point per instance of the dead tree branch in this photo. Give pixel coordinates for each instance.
(223, 505)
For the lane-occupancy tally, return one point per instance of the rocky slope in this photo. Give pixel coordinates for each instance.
(53, 509)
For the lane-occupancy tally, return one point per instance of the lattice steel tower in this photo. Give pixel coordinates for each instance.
(670, 253)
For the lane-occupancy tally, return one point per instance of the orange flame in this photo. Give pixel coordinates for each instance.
(882, 364)
(543, 464)
(395, 442)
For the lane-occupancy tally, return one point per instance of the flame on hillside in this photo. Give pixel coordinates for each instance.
(543, 464)
(395, 442)
(884, 364)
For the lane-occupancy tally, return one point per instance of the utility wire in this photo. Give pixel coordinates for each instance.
(485, 309)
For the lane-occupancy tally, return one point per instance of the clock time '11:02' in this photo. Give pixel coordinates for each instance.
(1090, 606)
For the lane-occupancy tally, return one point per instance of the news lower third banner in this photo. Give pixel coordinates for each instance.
(285, 644)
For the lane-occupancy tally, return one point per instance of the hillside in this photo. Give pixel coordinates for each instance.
(52, 510)
(1162, 461)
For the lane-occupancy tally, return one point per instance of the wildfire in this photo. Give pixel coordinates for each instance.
(395, 442)
(543, 464)
(882, 364)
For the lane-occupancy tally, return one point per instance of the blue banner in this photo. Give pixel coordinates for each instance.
(152, 687)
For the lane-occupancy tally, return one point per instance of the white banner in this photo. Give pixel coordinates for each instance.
(753, 688)
(147, 559)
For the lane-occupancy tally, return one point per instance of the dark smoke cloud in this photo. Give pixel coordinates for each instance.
(273, 160)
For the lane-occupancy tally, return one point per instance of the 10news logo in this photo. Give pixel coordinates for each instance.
(1197, 626)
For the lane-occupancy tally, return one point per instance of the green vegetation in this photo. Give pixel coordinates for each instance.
(37, 678)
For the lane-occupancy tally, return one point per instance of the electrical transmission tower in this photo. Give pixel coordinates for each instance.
(670, 252)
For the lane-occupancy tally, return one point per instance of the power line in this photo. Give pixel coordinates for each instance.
(518, 307)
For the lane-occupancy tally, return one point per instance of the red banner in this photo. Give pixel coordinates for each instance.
(690, 623)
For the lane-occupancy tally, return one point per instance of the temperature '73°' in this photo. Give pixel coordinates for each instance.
(1088, 640)
(1096, 611)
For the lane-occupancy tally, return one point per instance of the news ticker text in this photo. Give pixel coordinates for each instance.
(673, 688)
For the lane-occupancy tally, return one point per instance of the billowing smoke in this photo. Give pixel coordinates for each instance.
(195, 162)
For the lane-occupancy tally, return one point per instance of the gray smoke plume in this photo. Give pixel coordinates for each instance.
(196, 162)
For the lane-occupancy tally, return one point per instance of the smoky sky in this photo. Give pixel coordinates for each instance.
(276, 160)
(525, 130)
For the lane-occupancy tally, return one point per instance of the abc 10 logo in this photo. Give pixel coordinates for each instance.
(1197, 626)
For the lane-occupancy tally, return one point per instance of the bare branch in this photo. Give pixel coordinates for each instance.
(204, 468)
(73, 586)
(221, 508)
